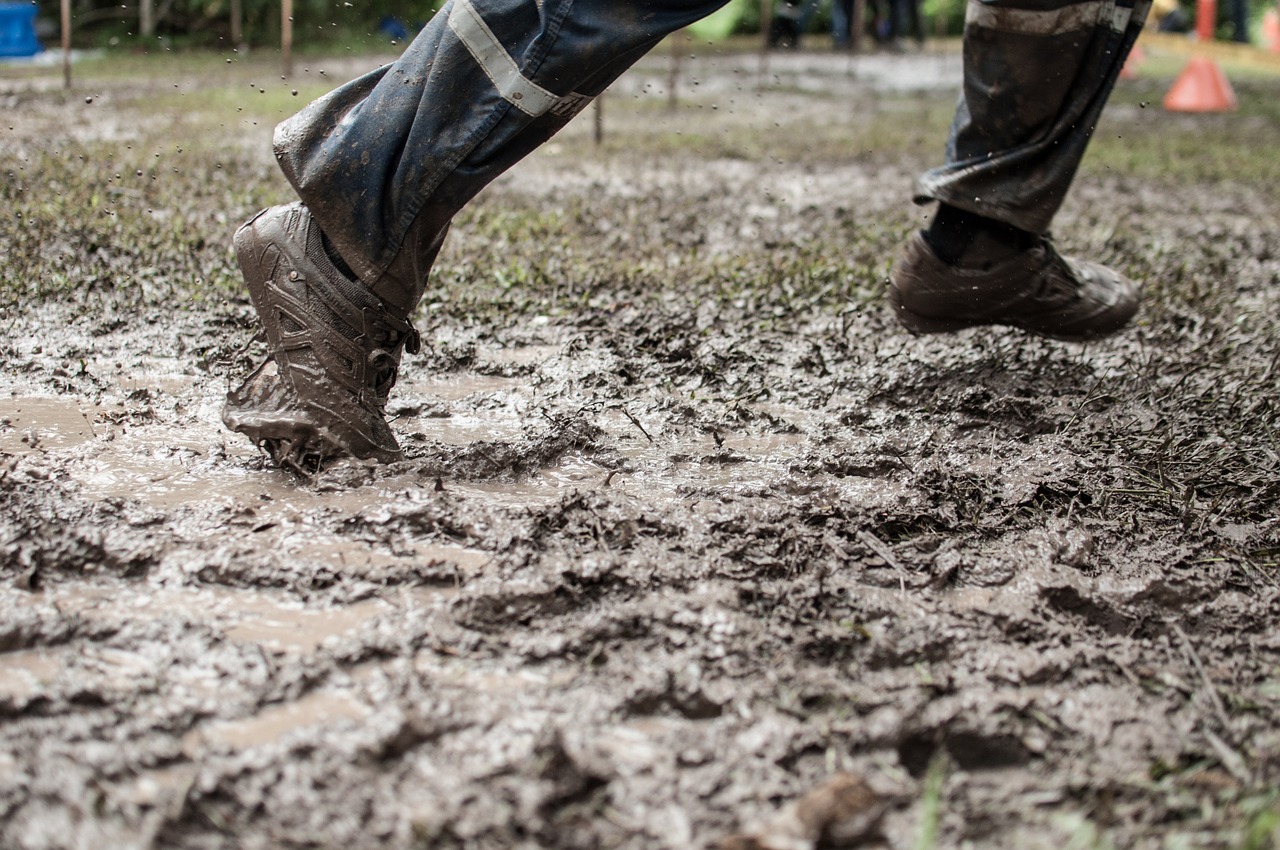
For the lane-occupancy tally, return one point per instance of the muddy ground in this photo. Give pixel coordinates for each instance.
(688, 531)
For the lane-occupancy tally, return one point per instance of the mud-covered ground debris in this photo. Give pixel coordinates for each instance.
(692, 546)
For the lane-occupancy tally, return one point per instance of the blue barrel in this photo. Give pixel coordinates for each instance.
(18, 30)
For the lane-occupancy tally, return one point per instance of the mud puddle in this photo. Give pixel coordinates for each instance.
(315, 710)
(33, 423)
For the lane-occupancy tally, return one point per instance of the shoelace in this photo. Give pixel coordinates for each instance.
(1053, 289)
(390, 336)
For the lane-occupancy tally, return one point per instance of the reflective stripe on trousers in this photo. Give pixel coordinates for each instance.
(483, 84)
(488, 81)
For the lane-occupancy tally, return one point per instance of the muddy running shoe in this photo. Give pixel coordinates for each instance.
(1038, 290)
(334, 350)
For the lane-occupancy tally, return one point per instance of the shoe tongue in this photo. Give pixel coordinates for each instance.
(987, 251)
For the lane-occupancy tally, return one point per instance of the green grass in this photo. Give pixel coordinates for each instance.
(872, 130)
(931, 804)
(187, 133)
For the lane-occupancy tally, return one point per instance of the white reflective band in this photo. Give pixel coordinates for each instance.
(522, 93)
(1073, 18)
(571, 104)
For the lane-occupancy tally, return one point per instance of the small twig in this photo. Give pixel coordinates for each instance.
(1204, 676)
(1075, 414)
(1229, 758)
(89, 422)
(875, 544)
(901, 458)
(636, 423)
(1227, 755)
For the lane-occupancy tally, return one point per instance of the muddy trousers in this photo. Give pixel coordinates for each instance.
(488, 81)
(484, 83)
(1036, 76)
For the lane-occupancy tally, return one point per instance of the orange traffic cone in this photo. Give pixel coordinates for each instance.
(1136, 57)
(1201, 87)
(1271, 30)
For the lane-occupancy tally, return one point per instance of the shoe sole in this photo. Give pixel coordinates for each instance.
(918, 323)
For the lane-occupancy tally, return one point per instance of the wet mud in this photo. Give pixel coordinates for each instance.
(691, 547)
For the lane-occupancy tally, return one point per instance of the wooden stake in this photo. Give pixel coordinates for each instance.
(147, 18)
(286, 36)
(766, 21)
(679, 46)
(236, 18)
(66, 44)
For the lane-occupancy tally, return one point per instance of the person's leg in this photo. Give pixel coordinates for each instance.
(1239, 21)
(484, 84)
(381, 166)
(915, 22)
(809, 9)
(1035, 82)
(872, 17)
(897, 21)
(1036, 76)
(841, 19)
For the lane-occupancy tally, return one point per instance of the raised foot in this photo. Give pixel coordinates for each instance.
(1039, 291)
(334, 350)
